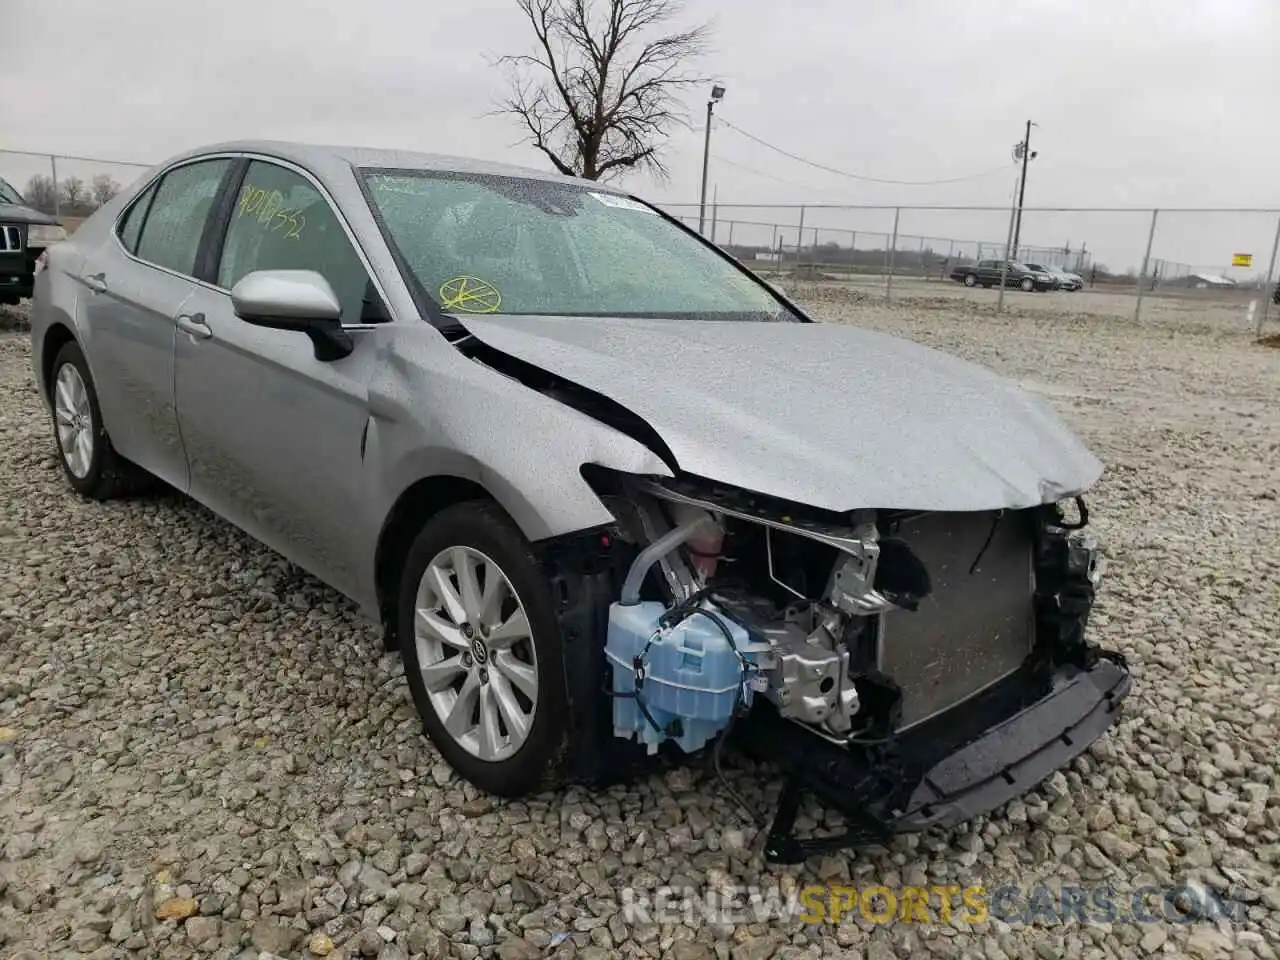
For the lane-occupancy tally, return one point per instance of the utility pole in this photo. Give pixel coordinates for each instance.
(1024, 148)
(717, 93)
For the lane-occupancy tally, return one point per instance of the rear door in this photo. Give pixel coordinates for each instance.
(135, 285)
(275, 437)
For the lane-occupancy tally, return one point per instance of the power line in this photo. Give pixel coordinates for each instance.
(68, 156)
(761, 173)
(855, 176)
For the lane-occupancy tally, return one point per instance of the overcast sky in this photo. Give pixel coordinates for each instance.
(1138, 102)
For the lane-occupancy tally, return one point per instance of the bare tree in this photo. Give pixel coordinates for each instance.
(104, 188)
(604, 86)
(73, 192)
(40, 193)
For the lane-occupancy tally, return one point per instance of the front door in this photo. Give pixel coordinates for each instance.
(274, 437)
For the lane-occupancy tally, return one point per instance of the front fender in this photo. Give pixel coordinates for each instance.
(434, 412)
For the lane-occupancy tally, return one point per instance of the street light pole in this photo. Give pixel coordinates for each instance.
(1027, 155)
(717, 94)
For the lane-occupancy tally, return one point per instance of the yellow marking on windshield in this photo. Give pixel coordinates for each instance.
(470, 295)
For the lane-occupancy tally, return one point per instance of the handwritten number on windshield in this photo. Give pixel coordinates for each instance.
(267, 207)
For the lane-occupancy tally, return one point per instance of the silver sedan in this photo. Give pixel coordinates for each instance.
(608, 493)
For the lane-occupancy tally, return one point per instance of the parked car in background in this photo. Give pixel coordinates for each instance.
(986, 273)
(1061, 280)
(1064, 279)
(596, 480)
(1074, 280)
(25, 233)
(1037, 268)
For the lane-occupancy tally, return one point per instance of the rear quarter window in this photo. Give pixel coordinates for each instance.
(130, 226)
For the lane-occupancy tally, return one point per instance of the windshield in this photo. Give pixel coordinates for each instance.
(9, 195)
(505, 245)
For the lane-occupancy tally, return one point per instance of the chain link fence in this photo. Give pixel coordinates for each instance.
(67, 187)
(1221, 255)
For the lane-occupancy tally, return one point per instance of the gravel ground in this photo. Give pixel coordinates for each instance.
(203, 751)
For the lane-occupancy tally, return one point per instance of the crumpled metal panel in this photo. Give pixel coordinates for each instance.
(821, 414)
(975, 628)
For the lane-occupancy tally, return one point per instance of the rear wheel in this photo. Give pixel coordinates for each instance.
(482, 650)
(90, 462)
(1027, 285)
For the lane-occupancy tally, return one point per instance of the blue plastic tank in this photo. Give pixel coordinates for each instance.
(691, 673)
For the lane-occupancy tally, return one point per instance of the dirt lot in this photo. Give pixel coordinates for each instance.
(1165, 305)
(203, 751)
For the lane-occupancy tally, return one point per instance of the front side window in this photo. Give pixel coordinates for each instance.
(490, 244)
(10, 195)
(176, 221)
(282, 222)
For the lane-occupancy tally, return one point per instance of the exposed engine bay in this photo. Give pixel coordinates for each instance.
(863, 634)
(811, 599)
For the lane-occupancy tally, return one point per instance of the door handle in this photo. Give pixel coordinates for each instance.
(194, 324)
(97, 282)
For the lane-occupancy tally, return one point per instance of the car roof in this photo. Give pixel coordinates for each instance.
(324, 158)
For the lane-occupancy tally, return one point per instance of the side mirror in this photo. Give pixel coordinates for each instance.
(299, 300)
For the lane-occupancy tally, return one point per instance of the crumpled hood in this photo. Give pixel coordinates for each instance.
(822, 414)
(16, 213)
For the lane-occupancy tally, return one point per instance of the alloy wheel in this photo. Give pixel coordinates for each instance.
(475, 653)
(74, 420)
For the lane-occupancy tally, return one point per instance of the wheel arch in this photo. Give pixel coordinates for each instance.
(55, 338)
(413, 509)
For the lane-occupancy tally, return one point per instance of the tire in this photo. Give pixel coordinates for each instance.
(468, 664)
(970, 280)
(89, 461)
(1027, 285)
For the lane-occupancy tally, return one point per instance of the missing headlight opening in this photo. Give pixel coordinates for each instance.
(862, 652)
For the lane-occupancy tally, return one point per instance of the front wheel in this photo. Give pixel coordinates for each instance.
(1027, 285)
(482, 650)
(970, 280)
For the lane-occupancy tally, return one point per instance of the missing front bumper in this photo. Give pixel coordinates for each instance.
(966, 763)
(1019, 753)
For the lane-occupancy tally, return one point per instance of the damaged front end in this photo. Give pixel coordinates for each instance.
(909, 669)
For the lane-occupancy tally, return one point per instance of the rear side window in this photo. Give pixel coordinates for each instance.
(282, 222)
(171, 234)
(134, 218)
